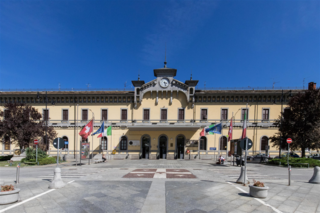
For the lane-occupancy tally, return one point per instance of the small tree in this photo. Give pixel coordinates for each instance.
(301, 122)
(22, 123)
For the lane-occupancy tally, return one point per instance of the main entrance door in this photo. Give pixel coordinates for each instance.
(180, 147)
(145, 146)
(163, 147)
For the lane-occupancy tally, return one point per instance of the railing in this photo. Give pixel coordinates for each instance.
(236, 122)
(132, 89)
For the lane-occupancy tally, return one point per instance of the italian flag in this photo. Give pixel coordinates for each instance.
(106, 132)
(244, 131)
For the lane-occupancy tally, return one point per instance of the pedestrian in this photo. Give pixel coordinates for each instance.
(104, 157)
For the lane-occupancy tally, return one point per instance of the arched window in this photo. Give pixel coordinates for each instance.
(66, 142)
(264, 143)
(104, 143)
(223, 143)
(123, 143)
(203, 143)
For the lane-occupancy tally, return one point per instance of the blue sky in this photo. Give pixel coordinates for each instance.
(107, 43)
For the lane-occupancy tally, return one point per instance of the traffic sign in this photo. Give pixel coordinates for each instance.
(60, 141)
(289, 140)
(243, 144)
(36, 142)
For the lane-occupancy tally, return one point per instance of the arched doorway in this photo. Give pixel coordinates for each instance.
(66, 142)
(223, 143)
(145, 146)
(163, 144)
(264, 143)
(180, 146)
(203, 143)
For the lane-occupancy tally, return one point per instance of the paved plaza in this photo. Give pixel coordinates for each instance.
(161, 186)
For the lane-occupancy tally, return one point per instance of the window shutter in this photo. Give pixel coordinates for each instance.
(104, 114)
(124, 114)
(163, 114)
(204, 114)
(224, 115)
(145, 114)
(181, 114)
(84, 115)
(65, 115)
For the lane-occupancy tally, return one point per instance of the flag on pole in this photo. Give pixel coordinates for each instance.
(230, 131)
(87, 129)
(215, 128)
(244, 130)
(100, 130)
(106, 132)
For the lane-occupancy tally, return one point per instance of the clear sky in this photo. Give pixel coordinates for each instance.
(106, 43)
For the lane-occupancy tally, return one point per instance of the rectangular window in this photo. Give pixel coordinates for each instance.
(45, 114)
(65, 115)
(244, 111)
(146, 114)
(224, 114)
(163, 114)
(7, 143)
(123, 114)
(84, 114)
(181, 114)
(104, 115)
(204, 114)
(265, 114)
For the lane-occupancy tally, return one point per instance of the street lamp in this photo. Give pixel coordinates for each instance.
(282, 97)
(47, 117)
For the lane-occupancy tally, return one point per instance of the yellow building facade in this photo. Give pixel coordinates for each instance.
(160, 119)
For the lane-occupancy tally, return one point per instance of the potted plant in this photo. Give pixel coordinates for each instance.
(8, 194)
(258, 189)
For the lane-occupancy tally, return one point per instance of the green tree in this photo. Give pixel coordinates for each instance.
(22, 123)
(301, 122)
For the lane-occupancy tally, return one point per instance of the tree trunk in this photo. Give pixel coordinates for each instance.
(303, 152)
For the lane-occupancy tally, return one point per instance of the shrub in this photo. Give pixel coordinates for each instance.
(258, 183)
(7, 188)
(295, 162)
(5, 158)
(31, 154)
(48, 160)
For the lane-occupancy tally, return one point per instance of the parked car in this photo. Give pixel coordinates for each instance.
(292, 155)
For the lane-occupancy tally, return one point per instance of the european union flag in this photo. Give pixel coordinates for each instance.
(214, 129)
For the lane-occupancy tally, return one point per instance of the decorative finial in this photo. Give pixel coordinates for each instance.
(165, 57)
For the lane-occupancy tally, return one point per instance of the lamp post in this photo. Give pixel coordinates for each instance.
(46, 115)
(282, 97)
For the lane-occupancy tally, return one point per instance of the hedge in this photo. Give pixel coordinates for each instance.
(48, 160)
(5, 158)
(294, 162)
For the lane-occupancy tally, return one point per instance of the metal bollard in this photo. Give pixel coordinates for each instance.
(18, 174)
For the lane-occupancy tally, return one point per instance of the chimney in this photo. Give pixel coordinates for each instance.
(312, 86)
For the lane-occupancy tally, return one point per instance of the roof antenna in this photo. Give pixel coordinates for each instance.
(125, 85)
(59, 86)
(139, 75)
(204, 85)
(88, 85)
(303, 82)
(165, 57)
(191, 75)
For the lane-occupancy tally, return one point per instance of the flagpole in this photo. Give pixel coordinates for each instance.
(245, 159)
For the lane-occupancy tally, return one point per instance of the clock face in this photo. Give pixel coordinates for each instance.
(164, 82)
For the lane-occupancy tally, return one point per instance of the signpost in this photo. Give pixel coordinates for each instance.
(57, 143)
(36, 143)
(289, 140)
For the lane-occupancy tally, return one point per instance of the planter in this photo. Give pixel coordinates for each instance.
(9, 197)
(260, 192)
